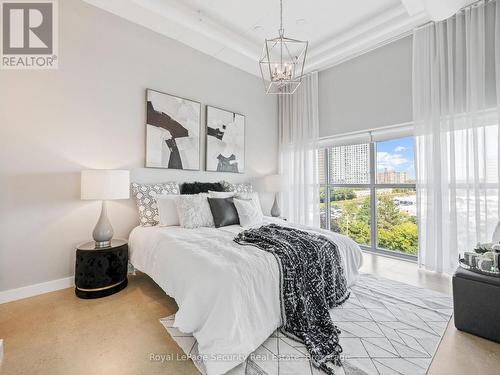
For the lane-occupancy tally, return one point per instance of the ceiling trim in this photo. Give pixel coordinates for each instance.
(177, 21)
(367, 37)
(178, 13)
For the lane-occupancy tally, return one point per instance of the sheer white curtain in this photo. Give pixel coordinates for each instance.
(456, 94)
(299, 133)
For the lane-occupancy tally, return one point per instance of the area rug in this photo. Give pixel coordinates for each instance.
(387, 328)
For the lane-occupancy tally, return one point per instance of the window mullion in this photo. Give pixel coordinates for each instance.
(327, 190)
(373, 198)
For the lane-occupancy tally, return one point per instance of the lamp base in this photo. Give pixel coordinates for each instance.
(102, 244)
(103, 231)
(275, 210)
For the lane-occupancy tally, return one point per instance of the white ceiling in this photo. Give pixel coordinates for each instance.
(234, 30)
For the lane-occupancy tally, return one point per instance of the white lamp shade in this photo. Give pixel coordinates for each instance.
(273, 183)
(105, 184)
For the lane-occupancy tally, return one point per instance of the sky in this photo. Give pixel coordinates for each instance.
(397, 155)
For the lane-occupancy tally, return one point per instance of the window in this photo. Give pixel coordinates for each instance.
(368, 193)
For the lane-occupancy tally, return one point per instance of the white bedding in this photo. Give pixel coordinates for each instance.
(228, 294)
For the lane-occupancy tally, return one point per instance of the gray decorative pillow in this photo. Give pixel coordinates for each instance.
(237, 188)
(145, 196)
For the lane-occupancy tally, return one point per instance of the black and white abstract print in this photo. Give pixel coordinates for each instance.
(173, 132)
(225, 141)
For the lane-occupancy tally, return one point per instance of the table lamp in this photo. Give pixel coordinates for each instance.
(274, 184)
(104, 185)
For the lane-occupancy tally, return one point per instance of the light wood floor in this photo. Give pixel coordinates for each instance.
(59, 334)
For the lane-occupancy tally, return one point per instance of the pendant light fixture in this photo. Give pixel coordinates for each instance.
(282, 62)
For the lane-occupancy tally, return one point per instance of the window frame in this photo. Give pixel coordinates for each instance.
(373, 186)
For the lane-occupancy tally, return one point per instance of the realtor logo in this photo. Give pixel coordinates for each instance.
(29, 34)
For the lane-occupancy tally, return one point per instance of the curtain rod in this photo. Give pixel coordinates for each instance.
(461, 10)
(368, 131)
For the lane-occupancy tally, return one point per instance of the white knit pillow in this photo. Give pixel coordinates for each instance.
(254, 197)
(248, 212)
(194, 211)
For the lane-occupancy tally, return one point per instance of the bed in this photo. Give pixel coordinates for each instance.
(228, 294)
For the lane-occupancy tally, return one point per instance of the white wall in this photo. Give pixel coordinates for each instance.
(90, 113)
(369, 91)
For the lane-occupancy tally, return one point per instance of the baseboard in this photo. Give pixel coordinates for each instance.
(36, 289)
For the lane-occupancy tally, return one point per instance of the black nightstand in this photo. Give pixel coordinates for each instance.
(100, 272)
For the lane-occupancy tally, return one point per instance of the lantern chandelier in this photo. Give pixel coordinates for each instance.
(282, 62)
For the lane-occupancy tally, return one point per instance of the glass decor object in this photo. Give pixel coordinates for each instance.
(483, 263)
(282, 62)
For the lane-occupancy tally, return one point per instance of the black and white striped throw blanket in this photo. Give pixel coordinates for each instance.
(312, 282)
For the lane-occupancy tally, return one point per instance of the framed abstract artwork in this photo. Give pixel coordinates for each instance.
(225, 141)
(172, 132)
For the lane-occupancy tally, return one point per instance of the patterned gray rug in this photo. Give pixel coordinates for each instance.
(387, 328)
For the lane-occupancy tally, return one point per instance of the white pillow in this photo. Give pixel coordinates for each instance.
(167, 210)
(253, 197)
(194, 211)
(249, 214)
(220, 194)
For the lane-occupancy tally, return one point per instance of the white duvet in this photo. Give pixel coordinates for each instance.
(228, 294)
